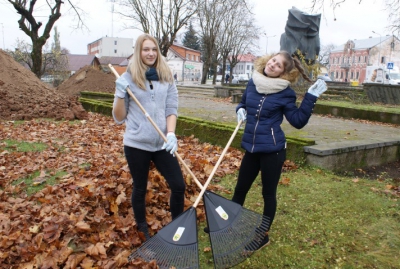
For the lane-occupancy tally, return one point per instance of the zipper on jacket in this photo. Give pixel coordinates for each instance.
(273, 136)
(151, 91)
(258, 120)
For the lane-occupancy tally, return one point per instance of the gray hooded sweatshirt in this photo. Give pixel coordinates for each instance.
(159, 103)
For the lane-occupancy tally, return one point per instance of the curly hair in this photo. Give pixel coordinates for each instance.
(292, 66)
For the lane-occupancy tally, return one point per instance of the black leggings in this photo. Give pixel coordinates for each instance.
(270, 165)
(139, 164)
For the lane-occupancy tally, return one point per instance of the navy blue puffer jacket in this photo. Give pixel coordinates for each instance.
(263, 131)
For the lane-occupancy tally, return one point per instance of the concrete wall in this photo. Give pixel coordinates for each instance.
(383, 93)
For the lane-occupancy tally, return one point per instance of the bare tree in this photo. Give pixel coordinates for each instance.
(394, 15)
(392, 6)
(246, 33)
(54, 60)
(211, 14)
(30, 26)
(161, 19)
(323, 56)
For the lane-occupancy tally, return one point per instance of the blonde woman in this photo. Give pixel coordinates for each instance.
(150, 79)
(267, 99)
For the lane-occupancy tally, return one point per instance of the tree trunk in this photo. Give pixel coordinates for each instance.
(36, 56)
(206, 68)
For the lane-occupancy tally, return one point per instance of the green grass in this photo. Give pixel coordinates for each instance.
(30, 186)
(368, 106)
(323, 221)
(13, 145)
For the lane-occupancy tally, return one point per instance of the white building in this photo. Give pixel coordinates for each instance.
(111, 46)
(185, 63)
(244, 66)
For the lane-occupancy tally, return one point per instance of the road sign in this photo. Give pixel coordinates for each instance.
(390, 65)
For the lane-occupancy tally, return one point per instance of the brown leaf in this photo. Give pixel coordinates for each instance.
(74, 260)
(96, 250)
(207, 249)
(83, 226)
(285, 181)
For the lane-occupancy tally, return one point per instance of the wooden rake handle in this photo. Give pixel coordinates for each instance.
(203, 189)
(158, 129)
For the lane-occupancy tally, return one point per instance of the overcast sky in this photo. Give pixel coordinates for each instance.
(353, 21)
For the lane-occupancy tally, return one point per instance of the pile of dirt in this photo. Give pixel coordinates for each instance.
(24, 97)
(88, 79)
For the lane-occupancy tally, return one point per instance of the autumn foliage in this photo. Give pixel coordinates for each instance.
(85, 220)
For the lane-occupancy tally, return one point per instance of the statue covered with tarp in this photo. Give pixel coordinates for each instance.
(302, 33)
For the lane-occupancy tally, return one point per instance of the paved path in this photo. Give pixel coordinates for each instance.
(322, 129)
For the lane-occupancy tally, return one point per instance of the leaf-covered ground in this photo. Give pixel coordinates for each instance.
(68, 204)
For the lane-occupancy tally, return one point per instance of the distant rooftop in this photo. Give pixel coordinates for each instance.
(104, 60)
(364, 43)
(76, 61)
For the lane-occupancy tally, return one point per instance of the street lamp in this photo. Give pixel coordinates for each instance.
(266, 47)
(380, 41)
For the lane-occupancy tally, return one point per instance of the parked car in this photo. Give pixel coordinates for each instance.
(240, 78)
(326, 78)
(218, 78)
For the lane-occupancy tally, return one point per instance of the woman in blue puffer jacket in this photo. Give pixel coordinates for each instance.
(267, 98)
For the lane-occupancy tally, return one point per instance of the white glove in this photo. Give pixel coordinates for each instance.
(172, 143)
(241, 115)
(121, 84)
(318, 88)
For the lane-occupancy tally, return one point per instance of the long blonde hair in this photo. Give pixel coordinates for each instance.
(138, 69)
(292, 66)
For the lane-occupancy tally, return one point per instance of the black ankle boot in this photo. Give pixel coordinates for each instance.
(142, 227)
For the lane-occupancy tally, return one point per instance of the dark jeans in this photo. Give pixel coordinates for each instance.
(270, 165)
(139, 164)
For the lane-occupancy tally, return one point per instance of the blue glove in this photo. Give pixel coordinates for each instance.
(241, 114)
(318, 88)
(121, 84)
(172, 143)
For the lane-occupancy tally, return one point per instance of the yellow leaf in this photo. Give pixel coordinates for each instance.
(34, 229)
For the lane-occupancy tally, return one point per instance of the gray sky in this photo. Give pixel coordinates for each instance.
(353, 21)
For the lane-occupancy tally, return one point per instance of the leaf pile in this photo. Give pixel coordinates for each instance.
(85, 220)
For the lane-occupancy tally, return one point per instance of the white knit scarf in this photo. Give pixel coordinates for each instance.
(266, 85)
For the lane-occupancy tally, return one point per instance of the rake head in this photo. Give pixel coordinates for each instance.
(174, 246)
(234, 230)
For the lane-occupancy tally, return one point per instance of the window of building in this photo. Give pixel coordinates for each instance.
(115, 42)
(351, 75)
(115, 51)
(357, 75)
(187, 56)
(248, 67)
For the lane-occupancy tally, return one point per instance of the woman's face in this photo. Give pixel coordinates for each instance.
(149, 52)
(275, 66)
